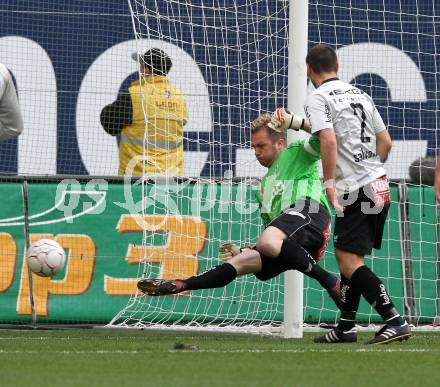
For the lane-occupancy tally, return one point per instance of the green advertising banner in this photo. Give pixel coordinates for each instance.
(100, 225)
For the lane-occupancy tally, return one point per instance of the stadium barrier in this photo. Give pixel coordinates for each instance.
(97, 221)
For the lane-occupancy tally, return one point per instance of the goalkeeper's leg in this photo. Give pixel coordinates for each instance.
(247, 262)
(296, 257)
(297, 239)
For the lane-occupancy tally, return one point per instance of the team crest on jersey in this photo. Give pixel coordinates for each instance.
(278, 189)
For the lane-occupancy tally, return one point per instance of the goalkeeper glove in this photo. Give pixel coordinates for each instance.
(283, 119)
(228, 250)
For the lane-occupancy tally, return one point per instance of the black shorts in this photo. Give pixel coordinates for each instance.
(360, 229)
(308, 222)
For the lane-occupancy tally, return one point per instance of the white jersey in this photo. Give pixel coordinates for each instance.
(11, 120)
(351, 113)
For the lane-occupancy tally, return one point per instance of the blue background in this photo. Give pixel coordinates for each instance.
(74, 33)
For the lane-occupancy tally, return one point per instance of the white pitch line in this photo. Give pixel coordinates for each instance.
(67, 352)
(23, 338)
(40, 338)
(359, 350)
(136, 352)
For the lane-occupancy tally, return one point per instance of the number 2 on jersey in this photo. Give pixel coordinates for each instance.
(363, 118)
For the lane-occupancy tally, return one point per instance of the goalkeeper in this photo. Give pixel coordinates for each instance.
(294, 210)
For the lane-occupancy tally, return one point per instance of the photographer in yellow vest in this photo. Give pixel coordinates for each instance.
(149, 120)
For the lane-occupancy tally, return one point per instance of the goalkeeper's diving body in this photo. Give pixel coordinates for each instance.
(294, 211)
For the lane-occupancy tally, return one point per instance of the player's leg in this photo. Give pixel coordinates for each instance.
(356, 234)
(270, 241)
(293, 237)
(364, 281)
(345, 331)
(350, 294)
(246, 262)
(369, 284)
(350, 233)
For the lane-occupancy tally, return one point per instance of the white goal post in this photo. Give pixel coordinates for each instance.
(296, 94)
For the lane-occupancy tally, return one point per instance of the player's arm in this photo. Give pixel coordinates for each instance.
(229, 250)
(312, 147)
(437, 178)
(383, 139)
(321, 125)
(307, 127)
(11, 123)
(383, 144)
(117, 115)
(264, 215)
(327, 139)
(283, 119)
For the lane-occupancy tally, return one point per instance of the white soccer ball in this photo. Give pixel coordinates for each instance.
(46, 257)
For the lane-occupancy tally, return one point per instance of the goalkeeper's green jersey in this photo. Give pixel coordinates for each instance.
(293, 175)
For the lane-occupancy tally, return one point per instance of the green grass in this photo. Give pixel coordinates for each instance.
(135, 358)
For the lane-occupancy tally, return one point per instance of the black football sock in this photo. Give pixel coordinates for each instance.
(297, 258)
(350, 298)
(327, 280)
(216, 277)
(376, 294)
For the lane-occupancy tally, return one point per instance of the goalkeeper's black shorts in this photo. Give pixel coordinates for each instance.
(308, 222)
(361, 228)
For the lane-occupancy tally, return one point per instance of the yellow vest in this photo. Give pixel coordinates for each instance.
(159, 114)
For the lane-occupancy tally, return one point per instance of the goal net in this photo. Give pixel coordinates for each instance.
(230, 60)
(240, 50)
(388, 49)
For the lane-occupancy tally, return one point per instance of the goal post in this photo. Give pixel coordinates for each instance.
(296, 94)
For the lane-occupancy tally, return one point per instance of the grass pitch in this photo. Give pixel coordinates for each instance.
(136, 358)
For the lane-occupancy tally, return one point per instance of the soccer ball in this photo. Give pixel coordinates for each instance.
(46, 257)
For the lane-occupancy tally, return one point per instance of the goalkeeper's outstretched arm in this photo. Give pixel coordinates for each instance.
(230, 250)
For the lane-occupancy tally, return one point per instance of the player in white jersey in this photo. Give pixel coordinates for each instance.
(11, 120)
(355, 121)
(354, 144)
